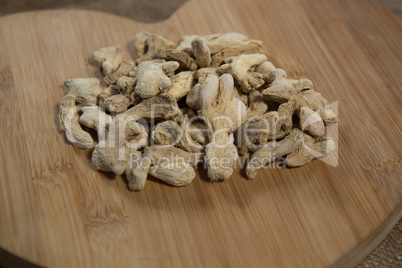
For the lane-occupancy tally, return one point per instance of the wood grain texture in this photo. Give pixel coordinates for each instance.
(57, 211)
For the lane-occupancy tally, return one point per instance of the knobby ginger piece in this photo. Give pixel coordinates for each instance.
(152, 79)
(85, 90)
(273, 150)
(225, 113)
(174, 174)
(247, 47)
(240, 68)
(201, 52)
(125, 135)
(147, 46)
(109, 58)
(215, 42)
(137, 171)
(167, 132)
(185, 61)
(182, 83)
(282, 89)
(95, 118)
(161, 107)
(117, 104)
(124, 69)
(309, 150)
(202, 73)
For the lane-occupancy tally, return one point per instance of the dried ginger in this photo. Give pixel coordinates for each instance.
(206, 100)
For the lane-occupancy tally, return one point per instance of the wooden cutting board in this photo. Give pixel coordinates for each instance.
(57, 211)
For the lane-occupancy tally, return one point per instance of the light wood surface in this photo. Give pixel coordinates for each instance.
(57, 211)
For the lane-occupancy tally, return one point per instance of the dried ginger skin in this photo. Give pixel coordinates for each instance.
(117, 104)
(176, 174)
(67, 103)
(225, 113)
(240, 68)
(266, 69)
(124, 69)
(95, 118)
(312, 122)
(282, 89)
(161, 107)
(314, 100)
(74, 132)
(202, 73)
(124, 136)
(166, 133)
(109, 58)
(182, 83)
(186, 62)
(86, 90)
(247, 47)
(147, 45)
(309, 151)
(193, 99)
(215, 42)
(201, 52)
(106, 93)
(273, 150)
(152, 79)
(137, 171)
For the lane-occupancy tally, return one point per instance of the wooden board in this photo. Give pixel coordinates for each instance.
(57, 211)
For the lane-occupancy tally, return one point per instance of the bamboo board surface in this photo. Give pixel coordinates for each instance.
(57, 211)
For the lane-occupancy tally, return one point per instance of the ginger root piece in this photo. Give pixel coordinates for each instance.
(85, 90)
(108, 92)
(166, 133)
(239, 67)
(312, 122)
(257, 105)
(182, 83)
(137, 171)
(273, 150)
(147, 46)
(161, 107)
(95, 118)
(247, 47)
(169, 153)
(239, 94)
(199, 132)
(66, 105)
(201, 52)
(225, 113)
(202, 73)
(185, 61)
(193, 99)
(176, 174)
(139, 43)
(117, 104)
(310, 150)
(313, 100)
(186, 141)
(152, 79)
(81, 90)
(266, 69)
(215, 42)
(74, 132)
(255, 132)
(125, 135)
(284, 123)
(109, 58)
(282, 89)
(124, 69)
